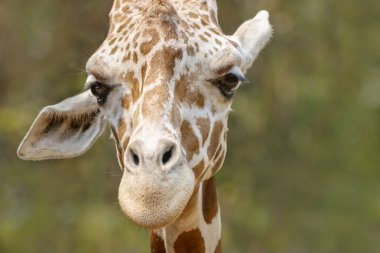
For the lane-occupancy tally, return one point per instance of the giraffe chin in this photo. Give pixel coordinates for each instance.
(156, 200)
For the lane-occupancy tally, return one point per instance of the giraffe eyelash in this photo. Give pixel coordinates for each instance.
(228, 84)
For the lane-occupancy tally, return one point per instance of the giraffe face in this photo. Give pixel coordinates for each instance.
(163, 80)
(167, 105)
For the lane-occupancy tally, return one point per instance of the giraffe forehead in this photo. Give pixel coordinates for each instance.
(126, 18)
(138, 30)
(160, 22)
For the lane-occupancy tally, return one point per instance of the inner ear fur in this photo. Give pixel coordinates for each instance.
(63, 130)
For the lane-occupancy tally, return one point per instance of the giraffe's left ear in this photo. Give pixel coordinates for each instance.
(253, 35)
(66, 129)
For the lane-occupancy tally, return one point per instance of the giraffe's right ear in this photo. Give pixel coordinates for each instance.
(63, 130)
(253, 35)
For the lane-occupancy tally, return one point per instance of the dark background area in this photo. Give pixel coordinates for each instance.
(303, 166)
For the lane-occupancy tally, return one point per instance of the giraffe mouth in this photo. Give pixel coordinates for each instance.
(156, 200)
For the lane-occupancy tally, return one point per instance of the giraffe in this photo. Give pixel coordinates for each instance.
(163, 80)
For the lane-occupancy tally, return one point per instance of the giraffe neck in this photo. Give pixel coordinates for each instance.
(197, 230)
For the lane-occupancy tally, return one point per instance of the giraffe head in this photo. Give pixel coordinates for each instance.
(163, 80)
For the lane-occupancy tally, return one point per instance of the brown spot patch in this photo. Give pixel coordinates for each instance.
(163, 63)
(170, 33)
(196, 46)
(131, 80)
(189, 140)
(125, 102)
(160, 8)
(136, 38)
(184, 25)
(190, 242)
(184, 94)
(209, 200)
(122, 127)
(181, 88)
(218, 248)
(154, 101)
(190, 50)
(199, 169)
(168, 27)
(122, 27)
(125, 9)
(113, 51)
(179, 55)
(127, 58)
(205, 20)
(198, 99)
(213, 30)
(135, 90)
(118, 18)
(204, 127)
(215, 138)
(204, 6)
(135, 116)
(203, 38)
(135, 57)
(193, 15)
(143, 72)
(218, 42)
(157, 245)
(112, 41)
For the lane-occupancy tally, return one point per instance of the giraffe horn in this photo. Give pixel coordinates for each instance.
(160, 2)
(161, 8)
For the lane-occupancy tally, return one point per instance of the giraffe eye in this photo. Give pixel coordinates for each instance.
(228, 84)
(100, 91)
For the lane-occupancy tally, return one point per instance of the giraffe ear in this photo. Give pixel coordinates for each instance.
(63, 130)
(253, 35)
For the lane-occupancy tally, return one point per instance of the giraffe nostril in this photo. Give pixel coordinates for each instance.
(162, 154)
(135, 158)
(167, 155)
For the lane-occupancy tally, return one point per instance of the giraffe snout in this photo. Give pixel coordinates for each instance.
(163, 154)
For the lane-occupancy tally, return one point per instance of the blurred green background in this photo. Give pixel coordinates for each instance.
(302, 174)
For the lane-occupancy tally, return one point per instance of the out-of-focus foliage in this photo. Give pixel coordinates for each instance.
(302, 174)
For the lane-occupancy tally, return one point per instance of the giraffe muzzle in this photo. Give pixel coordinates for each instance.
(157, 182)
